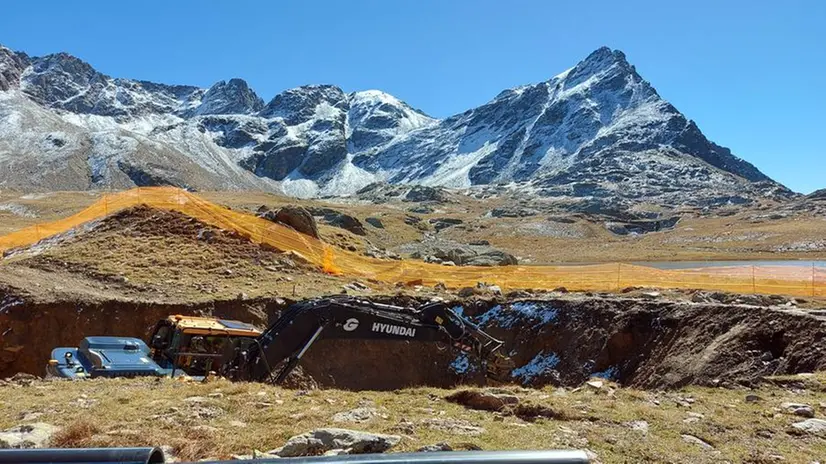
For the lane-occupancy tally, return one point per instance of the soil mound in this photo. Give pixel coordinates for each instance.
(143, 233)
(162, 253)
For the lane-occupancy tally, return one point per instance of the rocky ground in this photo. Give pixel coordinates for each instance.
(534, 230)
(779, 421)
(682, 373)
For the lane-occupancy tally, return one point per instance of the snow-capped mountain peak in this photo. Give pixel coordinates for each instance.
(300, 104)
(597, 130)
(12, 65)
(376, 118)
(62, 81)
(230, 97)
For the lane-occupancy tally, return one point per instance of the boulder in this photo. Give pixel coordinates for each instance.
(642, 226)
(454, 426)
(696, 441)
(474, 256)
(356, 415)
(380, 253)
(22, 378)
(421, 209)
(338, 219)
(320, 441)
(811, 426)
(296, 217)
(249, 457)
(799, 409)
(375, 222)
(206, 235)
(492, 258)
(36, 435)
(561, 219)
(443, 223)
(595, 384)
(513, 212)
(442, 446)
(638, 425)
(424, 193)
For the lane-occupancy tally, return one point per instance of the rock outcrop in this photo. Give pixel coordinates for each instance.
(35, 435)
(321, 441)
(296, 217)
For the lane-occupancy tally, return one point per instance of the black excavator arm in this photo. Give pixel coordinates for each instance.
(302, 324)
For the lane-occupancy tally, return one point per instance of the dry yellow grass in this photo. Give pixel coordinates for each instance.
(158, 254)
(739, 236)
(225, 418)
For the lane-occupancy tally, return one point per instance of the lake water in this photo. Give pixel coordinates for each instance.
(700, 264)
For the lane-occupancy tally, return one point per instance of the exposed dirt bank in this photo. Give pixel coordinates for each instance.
(559, 341)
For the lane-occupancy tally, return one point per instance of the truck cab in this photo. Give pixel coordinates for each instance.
(103, 357)
(178, 345)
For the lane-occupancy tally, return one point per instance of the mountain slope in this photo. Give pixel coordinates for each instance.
(598, 130)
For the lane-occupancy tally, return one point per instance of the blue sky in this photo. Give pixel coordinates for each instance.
(752, 74)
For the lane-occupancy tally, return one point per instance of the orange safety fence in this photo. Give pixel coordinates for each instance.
(789, 280)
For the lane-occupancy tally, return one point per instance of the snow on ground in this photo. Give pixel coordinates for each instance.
(455, 171)
(541, 364)
(140, 125)
(612, 373)
(462, 364)
(27, 130)
(299, 187)
(18, 210)
(36, 196)
(562, 75)
(348, 178)
(516, 313)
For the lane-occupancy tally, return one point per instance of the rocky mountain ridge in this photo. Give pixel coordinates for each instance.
(595, 133)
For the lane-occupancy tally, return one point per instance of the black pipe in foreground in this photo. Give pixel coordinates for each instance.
(155, 456)
(82, 456)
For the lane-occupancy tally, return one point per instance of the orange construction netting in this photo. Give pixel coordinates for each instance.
(789, 280)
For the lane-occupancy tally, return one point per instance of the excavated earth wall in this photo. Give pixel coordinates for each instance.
(559, 341)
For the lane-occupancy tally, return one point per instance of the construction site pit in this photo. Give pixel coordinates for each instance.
(560, 340)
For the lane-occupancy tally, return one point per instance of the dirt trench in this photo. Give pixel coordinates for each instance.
(563, 341)
(651, 344)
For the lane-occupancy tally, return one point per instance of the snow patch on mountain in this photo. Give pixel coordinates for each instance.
(597, 130)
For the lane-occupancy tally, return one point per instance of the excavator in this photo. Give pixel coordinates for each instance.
(196, 347)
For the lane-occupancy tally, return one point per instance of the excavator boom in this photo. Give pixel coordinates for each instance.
(284, 343)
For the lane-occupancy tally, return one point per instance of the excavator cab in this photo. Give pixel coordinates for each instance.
(195, 345)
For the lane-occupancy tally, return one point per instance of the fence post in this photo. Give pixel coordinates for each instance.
(753, 283)
(813, 278)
